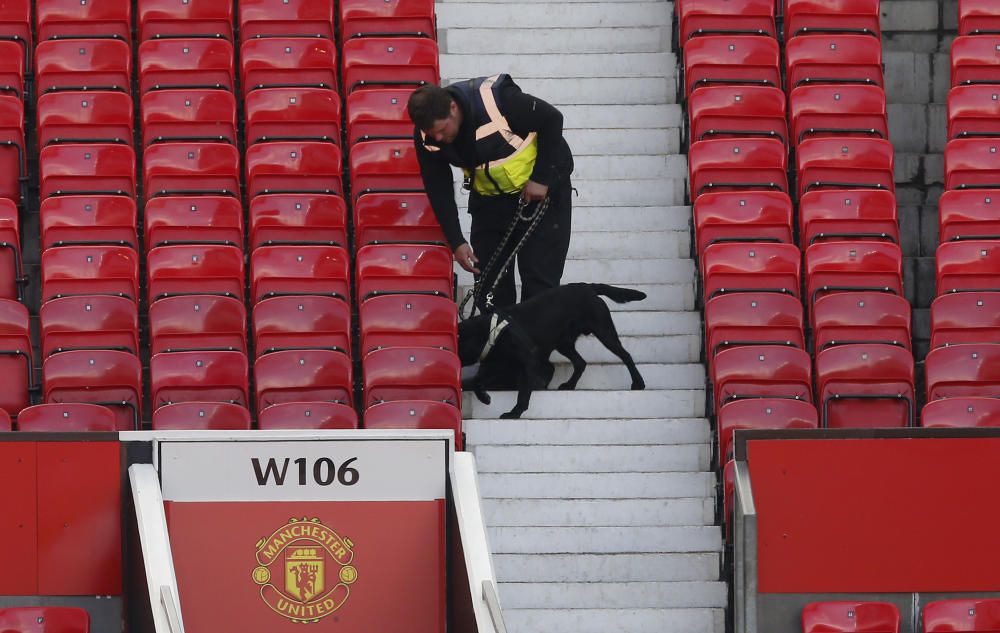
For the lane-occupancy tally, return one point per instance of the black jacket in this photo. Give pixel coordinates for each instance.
(525, 114)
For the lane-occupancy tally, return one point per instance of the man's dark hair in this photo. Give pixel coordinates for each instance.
(427, 105)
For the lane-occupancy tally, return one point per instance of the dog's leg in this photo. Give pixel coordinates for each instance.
(477, 385)
(579, 364)
(525, 381)
(608, 336)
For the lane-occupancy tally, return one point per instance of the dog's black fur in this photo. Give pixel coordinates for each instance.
(552, 320)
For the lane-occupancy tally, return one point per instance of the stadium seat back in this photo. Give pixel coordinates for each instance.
(389, 61)
(90, 117)
(416, 414)
(195, 269)
(276, 18)
(293, 167)
(968, 265)
(698, 18)
(974, 60)
(82, 220)
(980, 615)
(804, 17)
(865, 385)
(178, 169)
(411, 373)
(90, 270)
(968, 412)
(959, 371)
(188, 115)
(762, 413)
(301, 322)
(101, 64)
(193, 220)
(16, 356)
(185, 19)
(186, 64)
(854, 215)
(759, 267)
(409, 17)
(731, 60)
(965, 317)
(89, 322)
(395, 217)
(64, 418)
(744, 216)
(737, 165)
(837, 59)
(838, 110)
(106, 377)
(750, 318)
(378, 112)
(855, 617)
(844, 318)
(198, 376)
(45, 620)
(299, 114)
(845, 163)
(389, 268)
(292, 218)
(978, 17)
(311, 375)
(756, 371)
(299, 270)
(83, 169)
(74, 19)
(197, 322)
(968, 215)
(738, 111)
(408, 320)
(200, 416)
(307, 415)
(301, 62)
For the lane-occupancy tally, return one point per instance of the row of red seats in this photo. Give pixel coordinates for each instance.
(972, 615)
(698, 18)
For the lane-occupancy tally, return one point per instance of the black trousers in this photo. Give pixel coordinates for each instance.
(540, 261)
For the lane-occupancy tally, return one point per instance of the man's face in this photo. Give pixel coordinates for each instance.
(445, 131)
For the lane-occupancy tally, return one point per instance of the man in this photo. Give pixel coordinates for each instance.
(511, 147)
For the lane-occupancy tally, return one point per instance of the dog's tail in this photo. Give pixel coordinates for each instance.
(618, 295)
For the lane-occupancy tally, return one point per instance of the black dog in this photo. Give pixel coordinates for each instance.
(524, 335)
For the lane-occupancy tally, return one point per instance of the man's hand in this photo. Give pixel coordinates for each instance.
(466, 258)
(533, 191)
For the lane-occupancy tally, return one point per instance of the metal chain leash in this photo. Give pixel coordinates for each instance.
(533, 219)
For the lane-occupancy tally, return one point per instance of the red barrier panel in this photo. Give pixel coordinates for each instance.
(18, 520)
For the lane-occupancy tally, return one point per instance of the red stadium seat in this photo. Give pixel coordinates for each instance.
(751, 268)
(89, 322)
(11, 70)
(198, 376)
(303, 376)
(971, 163)
(806, 17)
(384, 166)
(193, 220)
(5, 423)
(45, 620)
(408, 320)
(16, 360)
(389, 61)
(855, 215)
(968, 215)
(195, 269)
(762, 413)
(196, 115)
(397, 17)
(865, 385)
(15, 26)
(970, 265)
(90, 270)
(102, 65)
(11, 270)
(197, 322)
(389, 268)
(12, 140)
(838, 110)
(850, 617)
(861, 317)
(743, 216)
(70, 417)
(186, 64)
(293, 167)
(95, 220)
(68, 19)
(378, 112)
(271, 18)
(185, 19)
(965, 317)
(845, 163)
(79, 169)
(731, 60)
(199, 416)
(178, 169)
(969, 412)
(738, 111)
(838, 59)
(729, 498)
(292, 114)
(761, 371)
(974, 60)
(395, 217)
(411, 373)
(416, 414)
(978, 17)
(110, 378)
(301, 322)
(299, 270)
(737, 165)
(301, 219)
(708, 17)
(852, 267)
(752, 318)
(85, 117)
(973, 111)
(284, 62)
(961, 371)
(974, 615)
(307, 415)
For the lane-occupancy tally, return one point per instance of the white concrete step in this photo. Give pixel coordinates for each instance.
(602, 90)
(592, 459)
(611, 595)
(625, 193)
(659, 404)
(703, 620)
(621, 116)
(655, 141)
(607, 167)
(587, 219)
(483, 41)
(620, 272)
(670, 297)
(515, 15)
(607, 567)
(614, 376)
(520, 67)
(586, 432)
(641, 245)
(599, 486)
(573, 540)
(598, 512)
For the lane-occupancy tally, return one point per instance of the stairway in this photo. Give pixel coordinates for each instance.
(600, 503)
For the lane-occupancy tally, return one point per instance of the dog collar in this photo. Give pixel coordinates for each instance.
(497, 326)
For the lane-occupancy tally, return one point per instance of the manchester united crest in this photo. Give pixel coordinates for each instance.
(304, 570)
